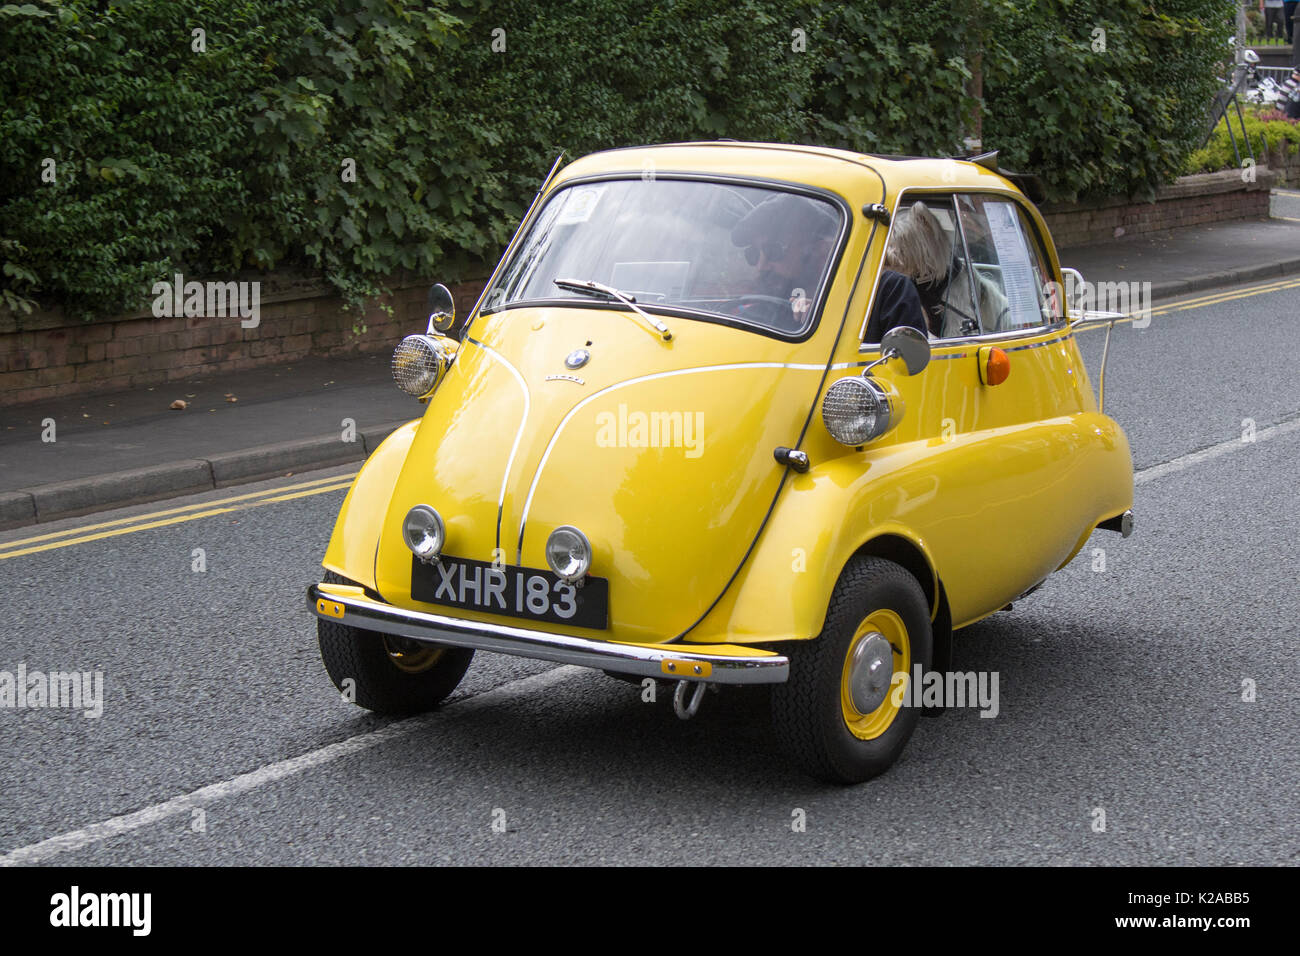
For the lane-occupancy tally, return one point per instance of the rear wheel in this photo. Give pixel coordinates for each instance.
(388, 674)
(840, 715)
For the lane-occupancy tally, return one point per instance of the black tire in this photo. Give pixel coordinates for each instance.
(364, 658)
(808, 715)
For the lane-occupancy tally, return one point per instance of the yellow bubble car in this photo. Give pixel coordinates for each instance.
(732, 413)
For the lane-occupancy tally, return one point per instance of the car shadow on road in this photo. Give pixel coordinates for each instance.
(1052, 679)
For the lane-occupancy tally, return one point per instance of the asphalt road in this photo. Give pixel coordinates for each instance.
(1285, 204)
(1120, 690)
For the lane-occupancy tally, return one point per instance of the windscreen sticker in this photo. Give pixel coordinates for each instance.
(579, 204)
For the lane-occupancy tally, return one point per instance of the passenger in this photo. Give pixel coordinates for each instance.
(921, 249)
(897, 303)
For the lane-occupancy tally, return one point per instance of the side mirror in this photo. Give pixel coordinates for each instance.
(909, 344)
(442, 309)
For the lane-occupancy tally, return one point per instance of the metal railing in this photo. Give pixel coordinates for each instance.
(1229, 96)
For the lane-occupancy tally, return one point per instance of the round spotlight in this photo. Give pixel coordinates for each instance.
(857, 410)
(418, 364)
(424, 532)
(568, 552)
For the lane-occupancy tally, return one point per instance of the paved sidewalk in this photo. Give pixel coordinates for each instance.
(128, 447)
(1198, 257)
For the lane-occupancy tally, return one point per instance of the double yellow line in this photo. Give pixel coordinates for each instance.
(1231, 296)
(1215, 298)
(160, 519)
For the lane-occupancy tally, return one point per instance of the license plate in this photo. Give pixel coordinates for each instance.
(519, 592)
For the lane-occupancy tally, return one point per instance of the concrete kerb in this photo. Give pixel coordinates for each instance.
(1264, 270)
(267, 461)
(80, 496)
(17, 508)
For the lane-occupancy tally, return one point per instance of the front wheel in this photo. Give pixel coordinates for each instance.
(840, 716)
(388, 674)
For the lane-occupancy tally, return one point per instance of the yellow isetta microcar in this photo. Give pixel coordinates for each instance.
(732, 413)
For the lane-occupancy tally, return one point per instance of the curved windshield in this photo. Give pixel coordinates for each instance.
(753, 255)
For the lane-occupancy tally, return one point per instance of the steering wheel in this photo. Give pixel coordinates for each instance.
(766, 309)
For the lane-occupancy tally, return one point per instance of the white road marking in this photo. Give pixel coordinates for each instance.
(116, 826)
(1183, 462)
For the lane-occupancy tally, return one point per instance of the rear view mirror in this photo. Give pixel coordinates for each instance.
(442, 309)
(908, 344)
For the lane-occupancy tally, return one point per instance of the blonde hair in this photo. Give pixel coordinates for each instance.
(918, 246)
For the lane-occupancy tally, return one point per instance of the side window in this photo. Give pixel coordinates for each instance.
(1051, 293)
(1008, 268)
(925, 245)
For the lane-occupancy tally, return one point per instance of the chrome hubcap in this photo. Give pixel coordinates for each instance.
(871, 671)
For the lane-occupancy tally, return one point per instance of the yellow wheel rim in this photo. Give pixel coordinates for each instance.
(410, 656)
(890, 626)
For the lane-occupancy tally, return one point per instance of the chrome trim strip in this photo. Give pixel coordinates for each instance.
(510, 462)
(1013, 348)
(541, 465)
(992, 338)
(371, 615)
(1037, 345)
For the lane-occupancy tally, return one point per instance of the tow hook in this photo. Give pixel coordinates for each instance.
(681, 707)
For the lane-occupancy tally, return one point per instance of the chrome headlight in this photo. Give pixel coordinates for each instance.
(568, 552)
(857, 410)
(424, 532)
(418, 363)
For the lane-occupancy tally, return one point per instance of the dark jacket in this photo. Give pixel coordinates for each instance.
(897, 303)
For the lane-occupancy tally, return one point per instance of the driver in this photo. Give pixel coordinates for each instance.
(788, 239)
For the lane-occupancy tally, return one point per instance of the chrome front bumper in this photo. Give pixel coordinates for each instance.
(716, 664)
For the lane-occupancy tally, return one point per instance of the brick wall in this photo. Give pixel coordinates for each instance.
(1284, 164)
(1191, 201)
(42, 356)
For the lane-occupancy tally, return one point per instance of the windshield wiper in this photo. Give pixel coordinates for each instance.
(588, 287)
